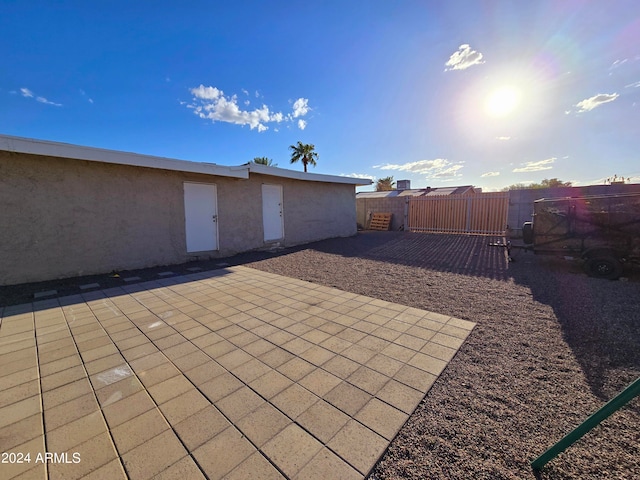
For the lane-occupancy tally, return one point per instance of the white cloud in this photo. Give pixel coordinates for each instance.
(359, 175)
(618, 63)
(300, 107)
(595, 101)
(633, 85)
(29, 94)
(439, 168)
(245, 91)
(503, 138)
(490, 174)
(212, 104)
(463, 59)
(536, 166)
(84, 94)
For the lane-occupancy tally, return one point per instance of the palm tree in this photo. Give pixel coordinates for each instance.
(384, 184)
(264, 161)
(305, 152)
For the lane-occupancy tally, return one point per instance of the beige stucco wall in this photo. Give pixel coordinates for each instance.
(365, 207)
(62, 217)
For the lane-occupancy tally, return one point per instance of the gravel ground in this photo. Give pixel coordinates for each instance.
(550, 347)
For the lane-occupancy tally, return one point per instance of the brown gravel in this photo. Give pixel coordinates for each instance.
(550, 347)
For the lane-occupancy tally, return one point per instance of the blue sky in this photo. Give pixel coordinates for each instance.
(484, 93)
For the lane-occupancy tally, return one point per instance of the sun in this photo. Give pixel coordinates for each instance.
(502, 101)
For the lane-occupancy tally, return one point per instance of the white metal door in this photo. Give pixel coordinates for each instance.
(272, 220)
(201, 217)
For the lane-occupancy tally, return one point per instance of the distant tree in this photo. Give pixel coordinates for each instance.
(384, 184)
(546, 183)
(617, 179)
(264, 161)
(305, 153)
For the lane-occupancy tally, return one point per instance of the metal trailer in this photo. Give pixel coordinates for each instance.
(603, 230)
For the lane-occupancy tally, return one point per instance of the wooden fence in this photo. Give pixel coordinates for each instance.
(478, 213)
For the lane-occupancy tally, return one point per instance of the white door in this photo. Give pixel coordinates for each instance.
(272, 220)
(201, 217)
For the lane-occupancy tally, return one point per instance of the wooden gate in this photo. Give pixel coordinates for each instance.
(478, 213)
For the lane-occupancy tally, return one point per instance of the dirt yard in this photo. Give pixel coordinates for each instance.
(551, 346)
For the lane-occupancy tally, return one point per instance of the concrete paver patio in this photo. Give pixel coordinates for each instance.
(233, 373)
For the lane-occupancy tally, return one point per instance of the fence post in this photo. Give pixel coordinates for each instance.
(406, 214)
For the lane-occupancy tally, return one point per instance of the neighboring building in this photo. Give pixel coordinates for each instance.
(68, 210)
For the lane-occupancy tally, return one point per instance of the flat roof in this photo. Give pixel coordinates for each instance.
(66, 150)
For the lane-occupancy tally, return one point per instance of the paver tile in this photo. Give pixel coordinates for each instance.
(256, 467)
(110, 376)
(168, 389)
(69, 411)
(401, 396)
(75, 432)
(17, 378)
(19, 392)
(239, 403)
(320, 382)
(323, 420)
(325, 465)
(341, 367)
(348, 398)
(183, 406)
(428, 363)
(153, 456)
(19, 410)
(249, 371)
(262, 424)
(112, 470)
(158, 374)
(358, 445)
(20, 432)
(92, 454)
(294, 400)
(317, 355)
(138, 430)
(26, 470)
(382, 418)
(105, 363)
(292, 449)
(276, 357)
(62, 378)
(368, 380)
(220, 387)
(270, 384)
(191, 360)
(127, 408)
(118, 390)
(183, 469)
(296, 368)
(201, 427)
(223, 453)
(415, 377)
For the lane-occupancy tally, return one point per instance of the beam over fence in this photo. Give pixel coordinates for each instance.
(478, 213)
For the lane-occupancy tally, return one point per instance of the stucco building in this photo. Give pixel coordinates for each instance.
(68, 210)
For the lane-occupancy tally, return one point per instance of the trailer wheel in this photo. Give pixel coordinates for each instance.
(527, 233)
(604, 267)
